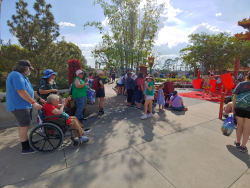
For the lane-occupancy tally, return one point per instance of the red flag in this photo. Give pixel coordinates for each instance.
(199, 74)
(197, 83)
(227, 80)
(213, 84)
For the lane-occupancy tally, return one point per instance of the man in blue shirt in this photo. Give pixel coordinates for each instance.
(19, 100)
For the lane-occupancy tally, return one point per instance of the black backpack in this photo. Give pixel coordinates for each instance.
(135, 86)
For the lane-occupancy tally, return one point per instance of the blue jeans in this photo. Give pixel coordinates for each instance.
(178, 108)
(139, 96)
(80, 103)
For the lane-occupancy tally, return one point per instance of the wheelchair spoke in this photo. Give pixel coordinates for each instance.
(51, 144)
(39, 140)
(39, 134)
(44, 144)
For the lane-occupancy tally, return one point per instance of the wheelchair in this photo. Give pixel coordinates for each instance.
(49, 134)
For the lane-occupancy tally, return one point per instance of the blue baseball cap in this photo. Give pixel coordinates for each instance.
(48, 73)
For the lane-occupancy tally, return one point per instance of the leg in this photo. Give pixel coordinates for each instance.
(76, 124)
(150, 105)
(246, 132)
(146, 106)
(240, 128)
(80, 102)
(23, 133)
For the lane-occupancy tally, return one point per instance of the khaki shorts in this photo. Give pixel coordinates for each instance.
(23, 116)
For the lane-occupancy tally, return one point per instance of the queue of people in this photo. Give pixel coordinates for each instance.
(20, 101)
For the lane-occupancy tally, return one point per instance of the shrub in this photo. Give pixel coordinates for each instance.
(159, 80)
(3, 99)
(105, 79)
(62, 84)
(191, 76)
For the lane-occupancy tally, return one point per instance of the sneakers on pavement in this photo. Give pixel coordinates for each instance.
(237, 144)
(87, 132)
(29, 151)
(150, 115)
(84, 139)
(243, 149)
(144, 116)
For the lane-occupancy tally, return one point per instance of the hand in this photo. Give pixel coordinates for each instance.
(55, 90)
(68, 98)
(37, 106)
(63, 101)
(42, 101)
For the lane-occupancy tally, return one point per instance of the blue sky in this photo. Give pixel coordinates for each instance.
(180, 18)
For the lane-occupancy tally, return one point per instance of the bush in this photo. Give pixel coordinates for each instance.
(159, 80)
(62, 84)
(105, 79)
(3, 99)
(191, 76)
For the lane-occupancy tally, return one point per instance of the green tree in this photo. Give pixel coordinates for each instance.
(213, 52)
(34, 32)
(132, 39)
(167, 64)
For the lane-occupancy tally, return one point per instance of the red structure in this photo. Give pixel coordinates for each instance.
(246, 25)
(143, 69)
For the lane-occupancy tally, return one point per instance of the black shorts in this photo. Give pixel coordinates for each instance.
(100, 93)
(23, 116)
(242, 113)
(130, 95)
(120, 85)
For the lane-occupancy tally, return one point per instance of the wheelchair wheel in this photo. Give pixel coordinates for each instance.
(46, 138)
(75, 143)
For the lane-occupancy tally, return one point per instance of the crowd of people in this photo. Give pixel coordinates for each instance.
(139, 89)
(20, 101)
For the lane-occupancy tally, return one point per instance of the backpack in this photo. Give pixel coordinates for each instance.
(243, 100)
(70, 89)
(135, 86)
(95, 84)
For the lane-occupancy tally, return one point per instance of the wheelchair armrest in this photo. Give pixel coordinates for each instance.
(59, 116)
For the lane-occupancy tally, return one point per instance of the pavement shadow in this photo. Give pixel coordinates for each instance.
(244, 157)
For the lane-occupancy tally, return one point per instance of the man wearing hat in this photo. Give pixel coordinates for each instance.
(47, 84)
(19, 100)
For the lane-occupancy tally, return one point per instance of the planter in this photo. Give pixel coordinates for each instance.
(73, 109)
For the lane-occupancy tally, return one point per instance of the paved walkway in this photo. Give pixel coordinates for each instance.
(172, 149)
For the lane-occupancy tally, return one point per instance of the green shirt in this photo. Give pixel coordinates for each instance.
(151, 93)
(79, 92)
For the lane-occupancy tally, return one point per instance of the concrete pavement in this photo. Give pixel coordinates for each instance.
(172, 149)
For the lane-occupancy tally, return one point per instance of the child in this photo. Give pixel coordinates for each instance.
(149, 98)
(161, 98)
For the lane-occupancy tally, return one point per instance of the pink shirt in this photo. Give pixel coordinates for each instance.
(139, 82)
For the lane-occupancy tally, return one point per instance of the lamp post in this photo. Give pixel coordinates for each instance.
(0, 27)
(151, 63)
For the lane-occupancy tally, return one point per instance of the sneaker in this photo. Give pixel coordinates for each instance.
(150, 115)
(84, 139)
(29, 151)
(87, 132)
(139, 108)
(243, 149)
(144, 116)
(237, 144)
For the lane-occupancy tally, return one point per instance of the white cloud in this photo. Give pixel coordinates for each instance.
(218, 14)
(66, 24)
(105, 22)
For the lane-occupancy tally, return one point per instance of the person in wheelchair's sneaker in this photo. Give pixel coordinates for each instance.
(52, 107)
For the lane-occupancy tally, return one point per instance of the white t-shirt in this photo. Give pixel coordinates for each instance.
(134, 77)
(126, 75)
(120, 81)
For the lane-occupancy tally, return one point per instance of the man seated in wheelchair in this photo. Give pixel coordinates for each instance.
(52, 107)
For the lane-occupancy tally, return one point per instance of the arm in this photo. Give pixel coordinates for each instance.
(38, 97)
(66, 102)
(150, 88)
(142, 87)
(102, 86)
(78, 85)
(182, 102)
(44, 92)
(60, 111)
(25, 95)
(162, 94)
(234, 103)
(170, 104)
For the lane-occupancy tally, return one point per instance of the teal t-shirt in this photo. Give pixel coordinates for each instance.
(79, 92)
(151, 93)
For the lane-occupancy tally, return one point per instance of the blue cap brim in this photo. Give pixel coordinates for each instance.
(47, 76)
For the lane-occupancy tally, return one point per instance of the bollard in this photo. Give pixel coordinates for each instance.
(221, 104)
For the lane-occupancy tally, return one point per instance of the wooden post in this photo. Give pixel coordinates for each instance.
(221, 104)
